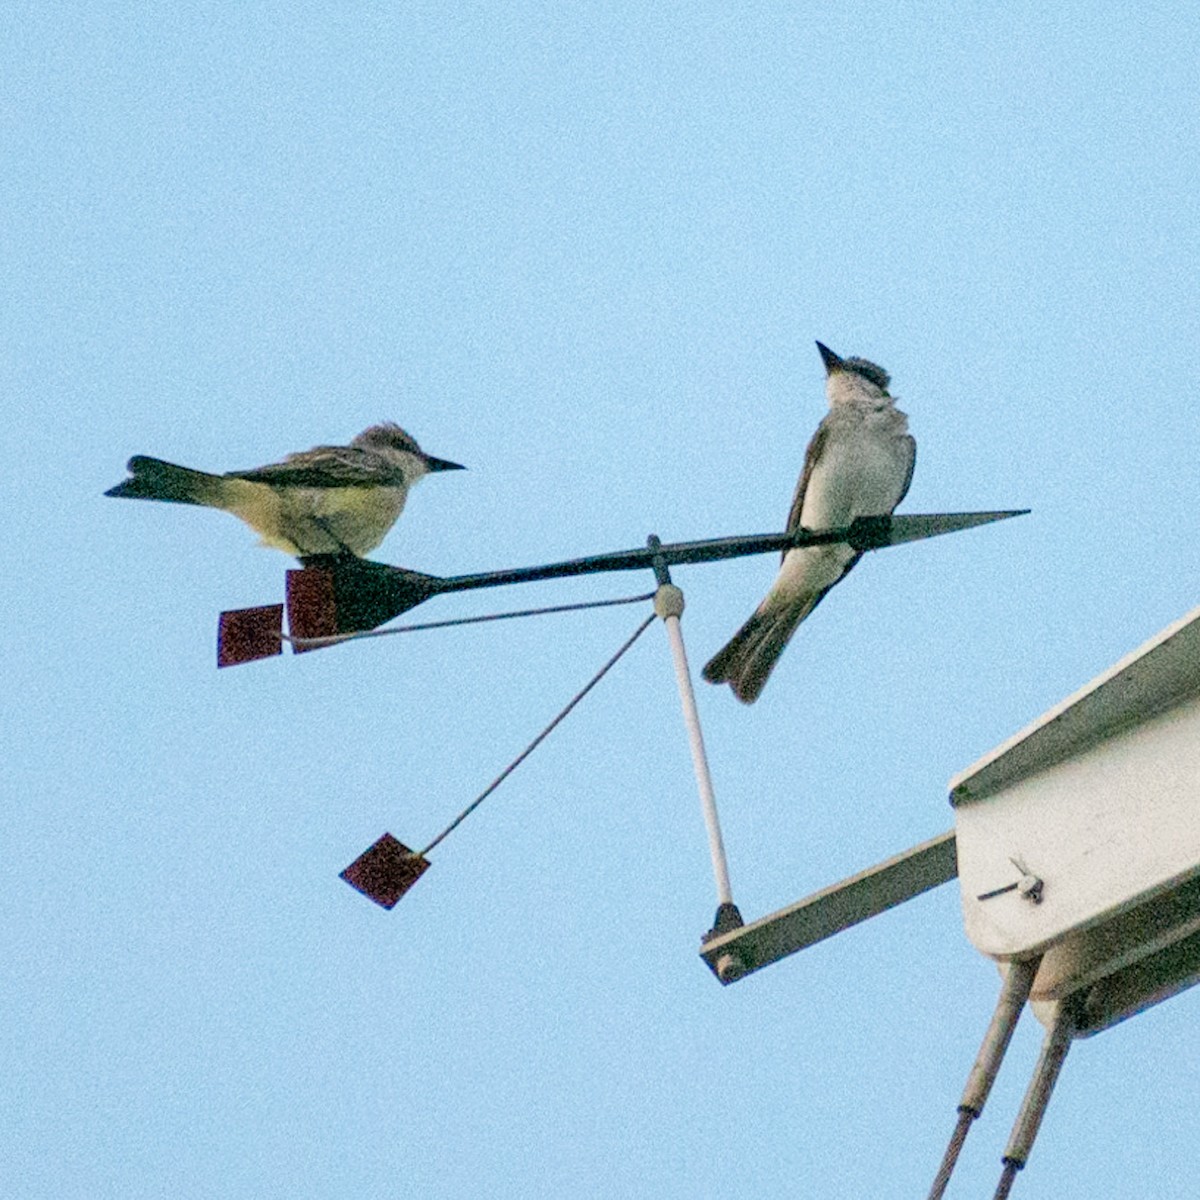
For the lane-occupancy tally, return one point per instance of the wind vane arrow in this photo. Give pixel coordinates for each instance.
(334, 596)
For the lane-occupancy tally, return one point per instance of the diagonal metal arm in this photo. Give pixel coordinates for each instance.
(829, 911)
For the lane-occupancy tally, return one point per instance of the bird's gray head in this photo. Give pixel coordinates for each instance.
(851, 371)
(393, 443)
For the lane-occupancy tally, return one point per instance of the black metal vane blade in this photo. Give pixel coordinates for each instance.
(341, 596)
(873, 533)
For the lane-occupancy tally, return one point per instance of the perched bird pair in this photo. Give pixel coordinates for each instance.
(328, 500)
(342, 500)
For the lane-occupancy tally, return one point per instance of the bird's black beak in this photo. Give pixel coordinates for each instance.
(833, 362)
(442, 464)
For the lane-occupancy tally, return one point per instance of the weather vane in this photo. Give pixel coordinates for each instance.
(1075, 841)
(324, 505)
(331, 505)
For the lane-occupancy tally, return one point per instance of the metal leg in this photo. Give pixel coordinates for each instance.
(691, 718)
(1054, 1052)
(950, 1158)
(1014, 991)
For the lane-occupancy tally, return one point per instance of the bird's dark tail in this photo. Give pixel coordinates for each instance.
(153, 479)
(747, 660)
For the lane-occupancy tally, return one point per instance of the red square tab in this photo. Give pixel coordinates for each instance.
(311, 605)
(248, 634)
(386, 871)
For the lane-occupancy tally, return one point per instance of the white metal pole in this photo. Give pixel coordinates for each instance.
(668, 604)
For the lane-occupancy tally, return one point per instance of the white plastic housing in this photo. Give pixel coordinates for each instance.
(1100, 800)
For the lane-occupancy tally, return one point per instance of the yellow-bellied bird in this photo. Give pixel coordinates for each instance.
(327, 500)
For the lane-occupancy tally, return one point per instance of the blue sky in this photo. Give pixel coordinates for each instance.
(584, 250)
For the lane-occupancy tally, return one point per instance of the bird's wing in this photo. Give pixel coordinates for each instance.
(326, 467)
(912, 462)
(812, 455)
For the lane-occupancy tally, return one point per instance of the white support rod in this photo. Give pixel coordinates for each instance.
(668, 603)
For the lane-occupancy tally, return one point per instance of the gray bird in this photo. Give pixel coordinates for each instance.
(858, 464)
(327, 500)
